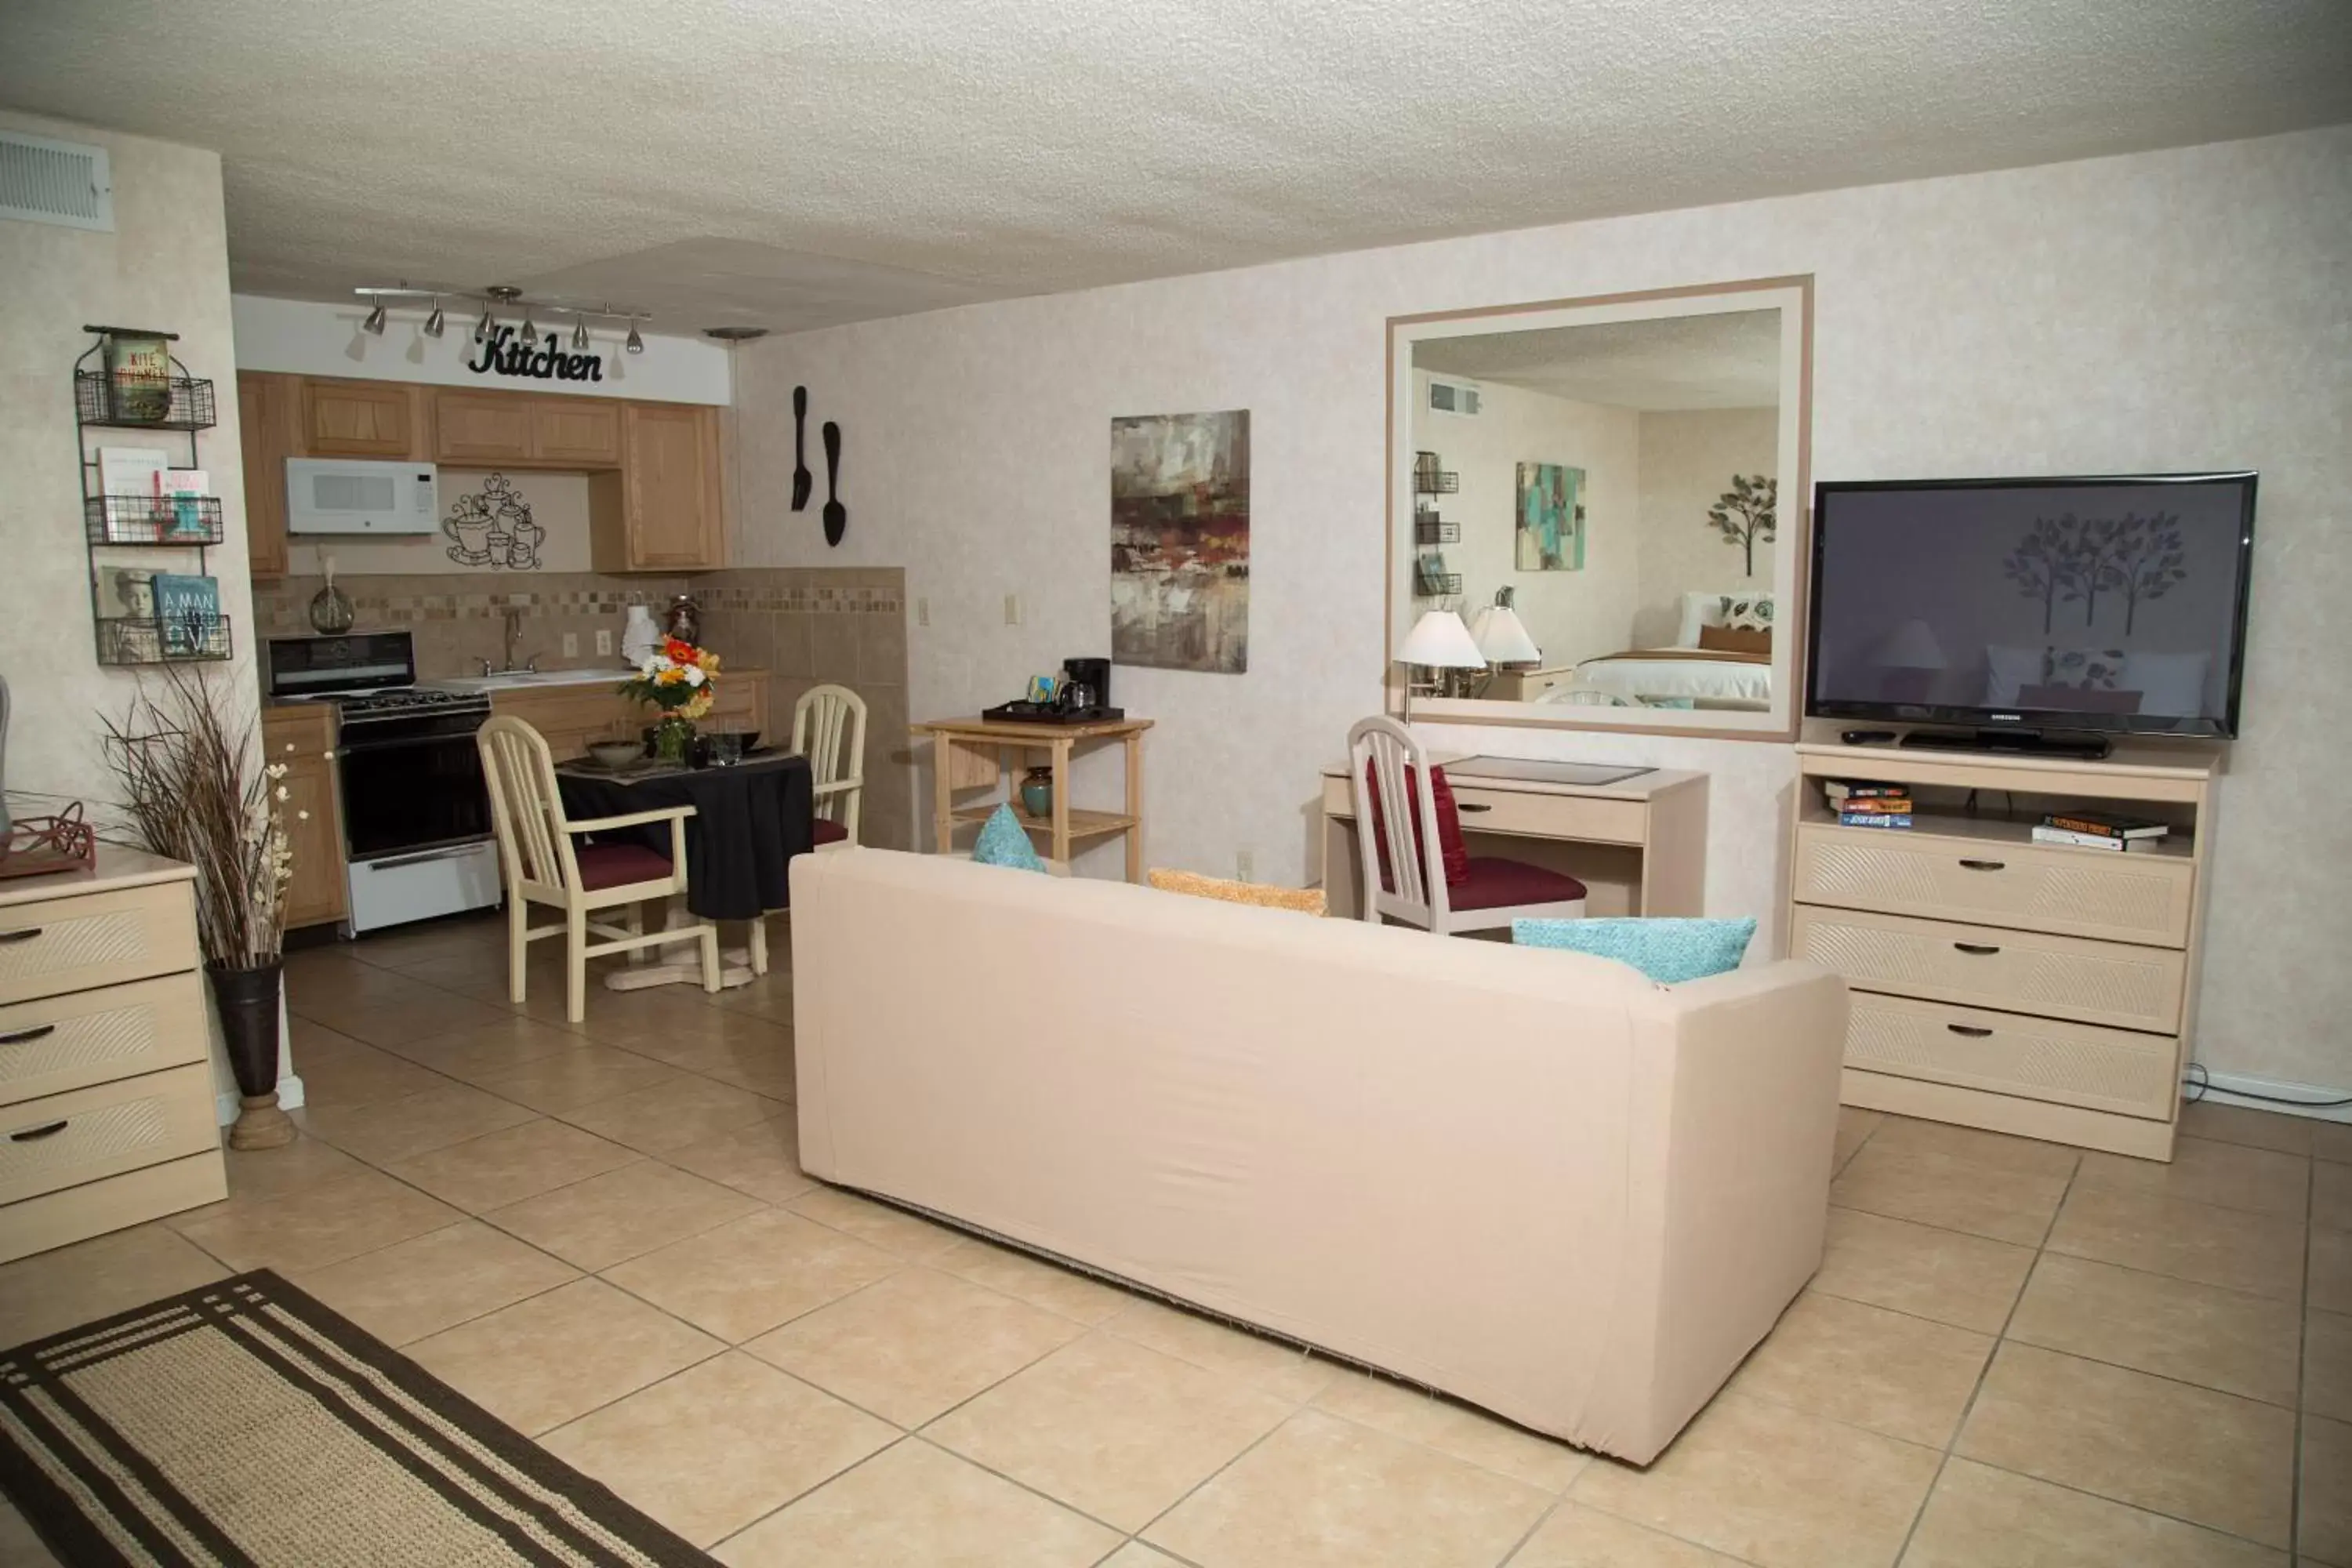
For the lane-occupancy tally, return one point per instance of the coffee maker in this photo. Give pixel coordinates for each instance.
(1087, 681)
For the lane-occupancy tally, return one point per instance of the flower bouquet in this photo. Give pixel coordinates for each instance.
(681, 680)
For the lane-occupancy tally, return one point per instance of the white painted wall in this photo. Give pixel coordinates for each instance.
(303, 337)
(1689, 457)
(164, 266)
(1572, 615)
(2157, 311)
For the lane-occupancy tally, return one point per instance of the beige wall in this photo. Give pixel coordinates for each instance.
(166, 266)
(2156, 312)
(1572, 615)
(1688, 460)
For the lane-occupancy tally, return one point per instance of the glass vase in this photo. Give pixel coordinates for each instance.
(673, 740)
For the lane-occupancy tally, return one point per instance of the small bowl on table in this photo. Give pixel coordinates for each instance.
(615, 755)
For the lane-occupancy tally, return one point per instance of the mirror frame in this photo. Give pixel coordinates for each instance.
(1793, 295)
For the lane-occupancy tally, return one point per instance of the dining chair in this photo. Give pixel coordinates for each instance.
(1400, 852)
(543, 866)
(829, 730)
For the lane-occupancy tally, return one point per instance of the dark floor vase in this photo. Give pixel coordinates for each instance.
(247, 1002)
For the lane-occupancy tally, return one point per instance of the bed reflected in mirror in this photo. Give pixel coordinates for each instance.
(1610, 495)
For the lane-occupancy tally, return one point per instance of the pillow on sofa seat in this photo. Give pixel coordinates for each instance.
(1002, 842)
(1304, 901)
(1668, 951)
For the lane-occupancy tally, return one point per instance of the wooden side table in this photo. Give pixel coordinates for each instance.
(975, 753)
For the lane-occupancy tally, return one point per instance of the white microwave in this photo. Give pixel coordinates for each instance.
(357, 495)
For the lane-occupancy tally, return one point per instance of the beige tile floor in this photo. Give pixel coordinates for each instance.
(2014, 1356)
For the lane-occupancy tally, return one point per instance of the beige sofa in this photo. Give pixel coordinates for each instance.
(1531, 1179)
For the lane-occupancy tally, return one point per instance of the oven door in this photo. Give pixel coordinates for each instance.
(410, 792)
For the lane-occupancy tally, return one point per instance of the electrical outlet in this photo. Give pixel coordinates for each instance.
(1011, 609)
(1245, 864)
(604, 640)
(923, 612)
(572, 645)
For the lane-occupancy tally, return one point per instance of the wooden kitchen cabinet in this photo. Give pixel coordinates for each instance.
(481, 427)
(363, 419)
(579, 432)
(572, 716)
(300, 736)
(660, 510)
(268, 417)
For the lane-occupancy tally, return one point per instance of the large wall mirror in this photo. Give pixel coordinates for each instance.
(1609, 497)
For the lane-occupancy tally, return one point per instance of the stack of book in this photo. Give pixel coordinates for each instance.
(2110, 830)
(1861, 803)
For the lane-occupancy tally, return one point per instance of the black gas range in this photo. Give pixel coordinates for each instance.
(416, 814)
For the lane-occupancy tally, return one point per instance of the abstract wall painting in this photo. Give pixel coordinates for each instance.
(1180, 540)
(1549, 527)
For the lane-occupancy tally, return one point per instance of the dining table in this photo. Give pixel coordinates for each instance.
(751, 818)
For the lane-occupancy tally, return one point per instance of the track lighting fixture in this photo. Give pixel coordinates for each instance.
(496, 298)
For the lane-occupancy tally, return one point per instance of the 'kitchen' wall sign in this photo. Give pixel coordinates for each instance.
(505, 354)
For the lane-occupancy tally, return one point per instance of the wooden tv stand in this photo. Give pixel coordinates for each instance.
(2027, 988)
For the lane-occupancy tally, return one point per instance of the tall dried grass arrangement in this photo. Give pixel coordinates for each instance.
(195, 784)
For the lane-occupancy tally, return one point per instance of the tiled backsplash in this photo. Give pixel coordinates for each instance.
(807, 627)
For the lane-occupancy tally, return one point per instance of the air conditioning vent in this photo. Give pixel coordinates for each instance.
(1452, 397)
(66, 182)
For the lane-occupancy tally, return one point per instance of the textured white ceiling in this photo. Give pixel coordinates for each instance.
(812, 161)
(1729, 359)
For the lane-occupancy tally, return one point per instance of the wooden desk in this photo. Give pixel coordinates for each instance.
(1639, 846)
(975, 753)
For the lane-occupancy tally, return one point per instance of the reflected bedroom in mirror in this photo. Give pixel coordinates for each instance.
(1608, 496)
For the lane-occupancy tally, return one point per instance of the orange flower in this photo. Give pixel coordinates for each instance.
(683, 652)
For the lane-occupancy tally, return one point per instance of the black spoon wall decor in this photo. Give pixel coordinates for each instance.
(836, 516)
(803, 480)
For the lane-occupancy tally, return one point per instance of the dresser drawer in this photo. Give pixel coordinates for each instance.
(2025, 972)
(76, 1214)
(2141, 897)
(64, 1139)
(92, 1036)
(2034, 1058)
(57, 945)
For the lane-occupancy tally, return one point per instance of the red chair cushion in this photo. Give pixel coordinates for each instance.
(1451, 850)
(830, 832)
(1497, 884)
(613, 865)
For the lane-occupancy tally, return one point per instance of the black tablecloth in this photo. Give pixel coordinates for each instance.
(750, 820)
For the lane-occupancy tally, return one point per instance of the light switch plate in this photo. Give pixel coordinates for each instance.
(1011, 609)
(572, 645)
(923, 612)
(604, 640)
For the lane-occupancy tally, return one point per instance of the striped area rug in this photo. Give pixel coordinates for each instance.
(245, 1424)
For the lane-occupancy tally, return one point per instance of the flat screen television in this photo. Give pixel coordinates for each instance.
(2041, 605)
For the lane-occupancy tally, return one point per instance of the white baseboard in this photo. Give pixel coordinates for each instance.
(2238, 1088)
(290, 1096)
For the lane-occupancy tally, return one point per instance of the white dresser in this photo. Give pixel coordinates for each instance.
(105, 1094)
(1998, 982)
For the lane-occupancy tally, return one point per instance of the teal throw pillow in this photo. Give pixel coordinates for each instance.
(1668, 951)
(1002, 842)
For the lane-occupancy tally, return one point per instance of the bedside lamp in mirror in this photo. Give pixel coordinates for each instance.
(1439, 641)
(1501, 635)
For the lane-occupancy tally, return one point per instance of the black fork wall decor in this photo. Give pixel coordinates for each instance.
(803, 480)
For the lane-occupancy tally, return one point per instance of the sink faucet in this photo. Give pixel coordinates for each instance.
(513, 635)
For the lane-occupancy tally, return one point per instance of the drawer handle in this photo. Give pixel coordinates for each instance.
(1470, 805)
(35, 1134)
(1970, 1030)
(20, 935)
(25, 1036)
(1975, 949)
(1985, 865)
